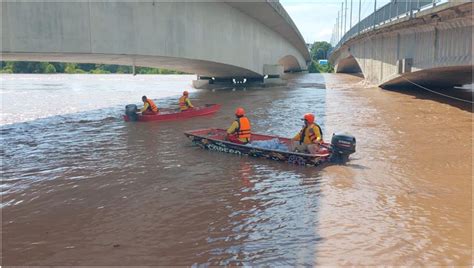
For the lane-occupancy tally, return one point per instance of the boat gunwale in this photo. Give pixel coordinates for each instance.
(178, 111)
(189, 133)
(207, 109)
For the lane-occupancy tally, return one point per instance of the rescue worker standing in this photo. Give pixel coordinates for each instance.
(149, 107)
(184, 102)
(309, 138)
(239, 131)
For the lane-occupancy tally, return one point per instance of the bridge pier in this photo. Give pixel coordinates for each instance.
(273, 73)
(205, 82)
(271, 76)
(201, 82)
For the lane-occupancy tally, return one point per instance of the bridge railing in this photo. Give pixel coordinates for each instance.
(385, 14)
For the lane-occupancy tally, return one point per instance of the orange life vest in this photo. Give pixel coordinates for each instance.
(152, 106)
(313, 137)
(243, 131)
(183, 105)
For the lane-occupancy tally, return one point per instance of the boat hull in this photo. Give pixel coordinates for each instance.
(176, 114)
(213, 139)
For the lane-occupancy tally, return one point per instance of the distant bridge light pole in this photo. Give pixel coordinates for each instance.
(406, 6)
(332, 35)
(358, 24)
(350, 20)
(375, 9)
(345, 17)
(342, 19)
(390, 11)
(396, 3)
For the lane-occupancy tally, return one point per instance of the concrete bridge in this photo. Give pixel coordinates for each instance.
(219, 39)
(432, 47)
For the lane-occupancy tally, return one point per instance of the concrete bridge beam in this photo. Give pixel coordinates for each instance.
(214, 39)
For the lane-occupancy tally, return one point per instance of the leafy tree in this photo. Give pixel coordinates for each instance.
(320, 50)
(87, 67)
(166, 71)
(20, 67)
(59, 66)
(124, 69)
(70, 68)
(50, 69)
(325, 68)
(7, 67)
(99, 71)
(6, 71)
(108, 67)
(313, 67)
(147, 70)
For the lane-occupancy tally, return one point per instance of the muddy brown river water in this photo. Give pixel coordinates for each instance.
(82, 187)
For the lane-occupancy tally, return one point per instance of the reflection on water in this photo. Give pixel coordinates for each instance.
(86, 188)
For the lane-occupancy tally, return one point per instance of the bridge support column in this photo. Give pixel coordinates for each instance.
(201, 82)
(273, 73)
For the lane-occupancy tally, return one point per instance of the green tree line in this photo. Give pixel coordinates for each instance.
(320, 51)
(76, 68)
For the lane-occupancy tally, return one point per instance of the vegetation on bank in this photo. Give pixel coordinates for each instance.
(75, 68)
(315, 67)
(320, 51)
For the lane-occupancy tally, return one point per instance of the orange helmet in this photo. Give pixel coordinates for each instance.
(239, 111)
(185, 93)
(309, 118)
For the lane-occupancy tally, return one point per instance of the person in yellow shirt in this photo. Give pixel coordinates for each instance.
(149, 107)
(239, 131)
(184, 102)
(309, 138)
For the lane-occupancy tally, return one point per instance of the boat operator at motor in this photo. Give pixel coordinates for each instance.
(149, 107)
(309, 138)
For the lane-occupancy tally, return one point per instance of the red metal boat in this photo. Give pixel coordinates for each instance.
(341, 146)
(169, 114)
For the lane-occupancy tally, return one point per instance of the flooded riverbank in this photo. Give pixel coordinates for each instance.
(86, 188)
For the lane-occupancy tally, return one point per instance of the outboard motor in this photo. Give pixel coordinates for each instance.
(342, 145)
(131, 112)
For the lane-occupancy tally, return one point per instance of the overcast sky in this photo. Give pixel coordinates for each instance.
(316, 18)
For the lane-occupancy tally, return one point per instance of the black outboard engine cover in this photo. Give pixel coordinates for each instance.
(131, 112)
(342, 146)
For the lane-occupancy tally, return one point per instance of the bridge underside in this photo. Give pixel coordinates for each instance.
(210, 39)
(348, 65)
(208, 68)
(443, 77)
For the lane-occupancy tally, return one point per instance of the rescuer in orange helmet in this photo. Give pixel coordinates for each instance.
(239, 131)
(309, 138)
(184, 102)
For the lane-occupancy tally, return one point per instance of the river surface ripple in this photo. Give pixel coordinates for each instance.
(82, 187)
